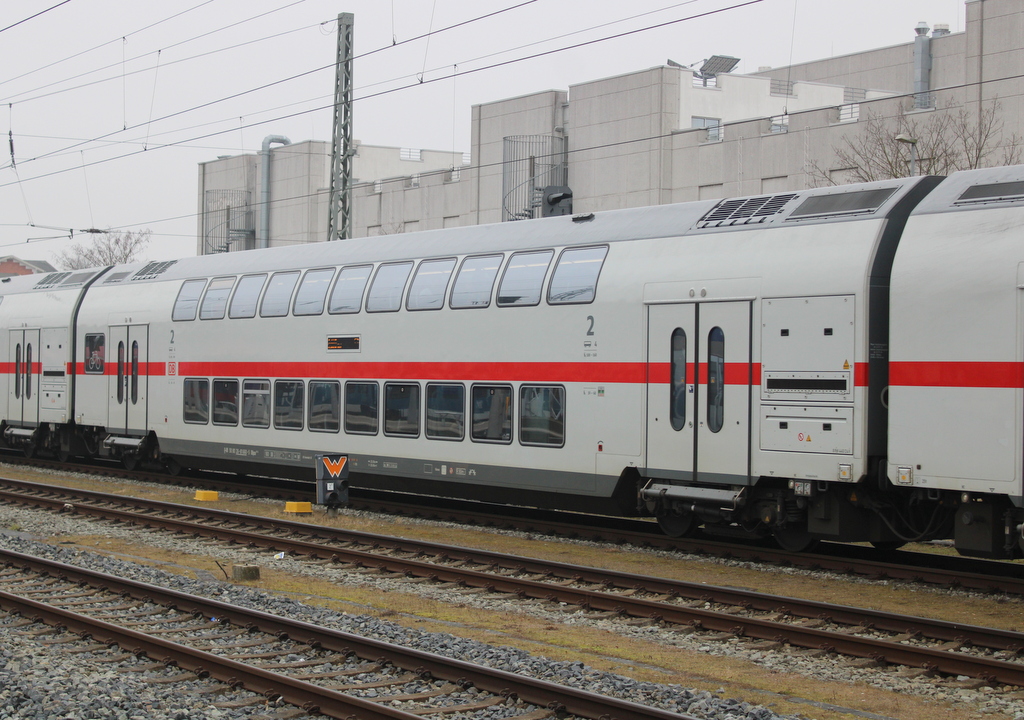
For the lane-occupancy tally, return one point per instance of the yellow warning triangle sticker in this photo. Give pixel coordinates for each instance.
(846, 365)
(808, 438)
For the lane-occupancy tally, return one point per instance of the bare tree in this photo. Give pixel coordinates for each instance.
(949, 139)
(111, 248)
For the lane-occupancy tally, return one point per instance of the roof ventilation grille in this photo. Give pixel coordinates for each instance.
(745, 210)
(52, 280)
(153, 269)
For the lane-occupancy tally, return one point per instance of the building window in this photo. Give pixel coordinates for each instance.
(492, 413)
(361, 408)
(197, 401)
(225, 402)
(288, 411)
(712, 125)
(542, 415)
(402, 409)
(324, 406)
(446, 412)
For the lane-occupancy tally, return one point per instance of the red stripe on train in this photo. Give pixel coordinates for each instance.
(957, 374)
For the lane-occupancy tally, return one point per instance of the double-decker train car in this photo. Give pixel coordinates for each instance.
(798, 364)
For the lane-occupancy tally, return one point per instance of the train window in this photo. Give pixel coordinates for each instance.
(716, 379)
(387, 287)
(187, 302)
(429, 284)
(197, 401)
(575, 277)
(225, 402)
(677, 412)
(28, 371)
(475, 281)
(324, 406)
(279, 294)
(348, 291)
(135, 372)
(120, 372)
(256, 403)
(243, 304)
(523, 279)
(361, 407)
(492, 413)
(402, 409)
(288, 398)
(309, 300)
(17, 371)
(542, 415)
(95, 348)
(215, 302)
(446, 412)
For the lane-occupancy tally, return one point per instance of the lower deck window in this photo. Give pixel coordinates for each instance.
(256, 403)
(225, 402)
(402, 409)
(197, 401)
(288, 397)
(446, 412)
(492, 413)
(361, 408)
(542, 415)
(324, 406)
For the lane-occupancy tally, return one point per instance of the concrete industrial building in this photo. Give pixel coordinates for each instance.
(661, 135)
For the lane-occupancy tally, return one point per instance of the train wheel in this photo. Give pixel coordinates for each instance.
(63, 455)
(794, 538)
(30, 451)
(172, 466)
(130, 462)
(677, 524)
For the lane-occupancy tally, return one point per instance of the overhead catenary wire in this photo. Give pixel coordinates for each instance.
(33, 17)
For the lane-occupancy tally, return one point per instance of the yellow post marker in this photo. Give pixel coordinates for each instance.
(298, 508)
(206, 495)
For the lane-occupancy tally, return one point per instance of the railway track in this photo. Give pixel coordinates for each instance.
(248, 649)
(990, 576)
(887, 638)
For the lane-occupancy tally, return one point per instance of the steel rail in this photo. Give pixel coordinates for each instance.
(934, 629)
(559, 698)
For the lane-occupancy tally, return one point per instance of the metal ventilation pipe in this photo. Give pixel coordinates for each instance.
(922, 67)
(264, 239)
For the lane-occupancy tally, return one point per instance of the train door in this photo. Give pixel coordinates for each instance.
(128, 379)
(26, 367)
(698, 392)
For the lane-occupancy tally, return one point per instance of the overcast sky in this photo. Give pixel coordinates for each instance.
(111, 104)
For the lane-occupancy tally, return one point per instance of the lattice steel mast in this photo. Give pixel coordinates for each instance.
(340, 221)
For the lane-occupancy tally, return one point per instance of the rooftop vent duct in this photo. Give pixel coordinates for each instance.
(264, 238)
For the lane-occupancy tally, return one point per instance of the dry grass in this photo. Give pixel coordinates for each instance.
(598, 648)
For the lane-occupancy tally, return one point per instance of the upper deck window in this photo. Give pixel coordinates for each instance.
(429, 284)
(216, 300)
(387, 287)
(187, 302)
(243, 304)
(309, 300)
(524, 278)
(475, 281)
(279, 294)
(575, 277)
(348, 291)
(843, 203)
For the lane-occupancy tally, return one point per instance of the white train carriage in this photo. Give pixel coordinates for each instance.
(956, 396)
(37, 333)
(723, 363)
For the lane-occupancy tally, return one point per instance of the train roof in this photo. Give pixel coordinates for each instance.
(976, 190)
(819, 205)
